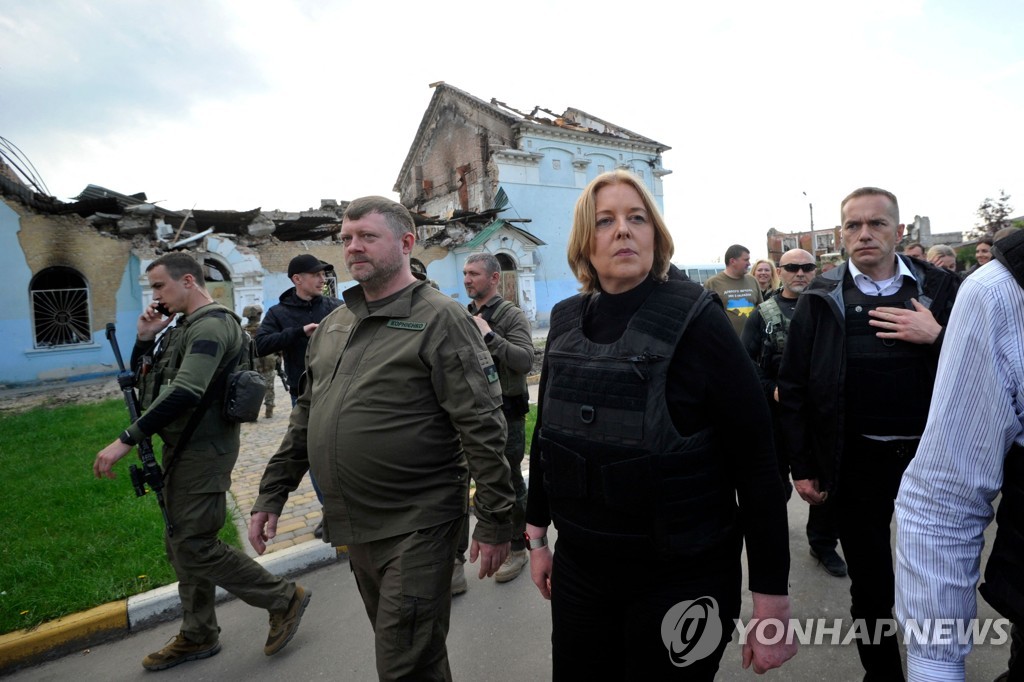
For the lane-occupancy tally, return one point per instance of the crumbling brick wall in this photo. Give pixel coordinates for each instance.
(49, 241)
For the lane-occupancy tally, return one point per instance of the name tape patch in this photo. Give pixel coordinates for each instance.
(410, 326)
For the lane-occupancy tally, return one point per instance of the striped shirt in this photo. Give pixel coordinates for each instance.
(945, 499)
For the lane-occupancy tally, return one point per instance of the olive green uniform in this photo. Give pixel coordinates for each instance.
(511, 349)
(401, 404)
(266, 365)
(191, 356)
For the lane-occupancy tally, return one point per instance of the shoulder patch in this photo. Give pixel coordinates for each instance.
(204, 347)
(410, 326)
(488, 366)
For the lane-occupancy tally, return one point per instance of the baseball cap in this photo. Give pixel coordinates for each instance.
(307, 263)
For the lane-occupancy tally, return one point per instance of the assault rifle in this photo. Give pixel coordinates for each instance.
(150, 473)
(280, 372)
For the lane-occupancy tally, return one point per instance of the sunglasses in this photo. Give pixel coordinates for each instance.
(796, 267)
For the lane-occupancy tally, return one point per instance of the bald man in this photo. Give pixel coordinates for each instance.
(764, 337)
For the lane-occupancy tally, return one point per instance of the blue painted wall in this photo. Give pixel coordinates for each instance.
(548, 196)
(23, 364)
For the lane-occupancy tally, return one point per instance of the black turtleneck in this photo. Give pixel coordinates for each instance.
(711, 381)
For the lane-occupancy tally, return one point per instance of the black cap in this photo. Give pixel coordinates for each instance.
(307, 263)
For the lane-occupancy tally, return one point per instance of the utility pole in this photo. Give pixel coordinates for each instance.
(814, 243)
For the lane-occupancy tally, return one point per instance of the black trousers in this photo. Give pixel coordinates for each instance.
(822, 527)
(608, 614)
(869, 478)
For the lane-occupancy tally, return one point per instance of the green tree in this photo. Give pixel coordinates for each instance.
(993, 214)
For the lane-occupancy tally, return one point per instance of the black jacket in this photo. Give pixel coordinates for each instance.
(813, 373)
(281, 331)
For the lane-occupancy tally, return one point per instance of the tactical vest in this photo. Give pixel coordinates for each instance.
(888, 382)
(776, 325)
(617, 473)
(1004, 573)
(167, 358)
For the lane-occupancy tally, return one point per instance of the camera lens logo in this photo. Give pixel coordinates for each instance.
(691, 630)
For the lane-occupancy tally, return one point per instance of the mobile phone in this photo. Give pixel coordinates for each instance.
(162, 309)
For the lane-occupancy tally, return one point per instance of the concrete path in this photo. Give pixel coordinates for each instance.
(499, 632)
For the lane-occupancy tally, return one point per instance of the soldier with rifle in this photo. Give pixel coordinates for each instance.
(181, 384)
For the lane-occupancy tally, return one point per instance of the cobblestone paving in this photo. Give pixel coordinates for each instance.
(301, 514)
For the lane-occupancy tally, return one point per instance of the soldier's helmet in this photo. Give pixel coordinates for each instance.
(254, 310)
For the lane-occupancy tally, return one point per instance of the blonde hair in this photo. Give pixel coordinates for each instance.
(774, 284)
(584, 226)
(940, 250)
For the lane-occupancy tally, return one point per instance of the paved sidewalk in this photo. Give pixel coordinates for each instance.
(260, 440)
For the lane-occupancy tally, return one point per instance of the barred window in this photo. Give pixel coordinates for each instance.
(60, 308)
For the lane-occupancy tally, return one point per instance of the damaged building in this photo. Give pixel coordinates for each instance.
(479, 177)
(472, 157)
(82, 264)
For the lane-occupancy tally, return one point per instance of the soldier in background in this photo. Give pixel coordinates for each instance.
(267, 364)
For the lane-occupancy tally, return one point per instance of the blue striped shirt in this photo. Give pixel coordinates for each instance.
(945, 499)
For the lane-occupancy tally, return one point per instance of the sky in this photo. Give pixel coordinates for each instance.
(769, 108)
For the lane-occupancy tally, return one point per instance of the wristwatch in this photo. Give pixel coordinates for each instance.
(535, 543)
(488, 337)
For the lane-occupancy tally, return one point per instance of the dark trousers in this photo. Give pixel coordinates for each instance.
(608, 613)
(1015, 666)
(822, 527)
(822, 524)
(515, 449)
(869, 478)
(202, 562)
(405, 583)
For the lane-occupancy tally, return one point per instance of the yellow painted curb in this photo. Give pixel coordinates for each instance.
(27, 646)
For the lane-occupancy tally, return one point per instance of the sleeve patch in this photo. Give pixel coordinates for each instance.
(205, 347)
(488, 366)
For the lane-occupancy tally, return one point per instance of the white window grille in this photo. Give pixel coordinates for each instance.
(60, 308)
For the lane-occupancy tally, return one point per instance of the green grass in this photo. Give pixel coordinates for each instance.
(69, 542)
(531, 420)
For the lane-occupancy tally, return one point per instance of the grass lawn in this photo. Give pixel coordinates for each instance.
(531, 420)
(68, 541)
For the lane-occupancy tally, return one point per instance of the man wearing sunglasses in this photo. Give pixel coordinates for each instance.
(854, 388)
(764, 337)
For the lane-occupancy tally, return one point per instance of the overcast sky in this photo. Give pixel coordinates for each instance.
(236, 104)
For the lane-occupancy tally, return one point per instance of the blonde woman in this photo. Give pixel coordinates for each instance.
(767, 277)
(635, 459)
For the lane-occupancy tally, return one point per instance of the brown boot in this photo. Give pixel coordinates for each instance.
(180, 650)
(283, 624)
(270, 411)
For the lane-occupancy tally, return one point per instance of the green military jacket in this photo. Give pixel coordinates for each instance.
(191, 355)
(400, 406)
(512, 345)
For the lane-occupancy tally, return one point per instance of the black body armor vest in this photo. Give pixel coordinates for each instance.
(617, 472)
(888, 382)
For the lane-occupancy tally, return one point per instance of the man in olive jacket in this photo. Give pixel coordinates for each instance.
(177, 372)
(401, 405)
